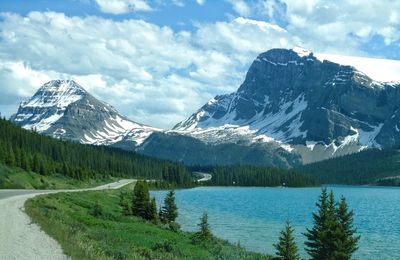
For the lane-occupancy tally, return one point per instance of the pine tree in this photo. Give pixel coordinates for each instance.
(10, 157)
(286, 249)
(320, 241)
(153, 211)
(24, 161)
(141, 200)
(36, 163)
(169, 210)
(332, 236)
(204, 234)
(346, 241)
(124, 203)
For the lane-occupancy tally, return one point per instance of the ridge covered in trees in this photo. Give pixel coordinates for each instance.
(48, 156)
(258, 176)
(371, 166)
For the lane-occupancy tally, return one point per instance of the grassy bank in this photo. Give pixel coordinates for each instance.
(75, 222)
(16, 178)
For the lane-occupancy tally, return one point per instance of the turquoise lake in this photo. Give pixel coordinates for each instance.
(255, 216)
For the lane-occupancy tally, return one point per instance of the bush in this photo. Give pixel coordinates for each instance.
(173, 226)
(97, 210)
(165, 246)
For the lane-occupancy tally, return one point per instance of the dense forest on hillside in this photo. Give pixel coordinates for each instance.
(371, 166)
(47, 156)
(257, 176)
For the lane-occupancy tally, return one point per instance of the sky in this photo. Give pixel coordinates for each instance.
(157, 62)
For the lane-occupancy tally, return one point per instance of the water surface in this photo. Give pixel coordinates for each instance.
(255, 216)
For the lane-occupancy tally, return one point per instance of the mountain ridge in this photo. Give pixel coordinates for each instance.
(293, 106)
(288, 94)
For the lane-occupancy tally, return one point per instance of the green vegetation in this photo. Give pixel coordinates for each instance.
(258, 176)
(141, 201)
(371, 166)
(51, 157)
(17, 178)
(169, 211)
(332, 236)
(286, 249)
(204, 234)
(92, 225)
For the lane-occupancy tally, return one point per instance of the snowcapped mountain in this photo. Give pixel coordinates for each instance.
(293, 107)
(304, 103)
(63, 109)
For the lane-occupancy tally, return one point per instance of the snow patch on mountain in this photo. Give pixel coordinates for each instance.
(117, 129)
(382, 70)
(63, 109)
(263, 128)
(48, 105)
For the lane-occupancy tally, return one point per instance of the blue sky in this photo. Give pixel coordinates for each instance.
(159, 61)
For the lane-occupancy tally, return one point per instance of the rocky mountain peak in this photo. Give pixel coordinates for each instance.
(64, 109)
(294, 98)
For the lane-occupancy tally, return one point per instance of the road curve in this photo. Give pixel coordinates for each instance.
(206, 176)
(21, 239)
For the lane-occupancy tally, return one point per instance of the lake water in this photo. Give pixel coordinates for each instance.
(255, 216)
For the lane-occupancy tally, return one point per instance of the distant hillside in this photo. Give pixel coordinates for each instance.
(47, 156)
(372, 166)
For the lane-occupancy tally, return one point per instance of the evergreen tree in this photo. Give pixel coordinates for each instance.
(24, 161)
(124, 203)
(36, 163)
(319, 244)
(17, 157)
(286, 249)
(169, 210)
(204, 234)
(10, 157)
(141, 200)
(346, 241)
(153, 211)
(332, 236)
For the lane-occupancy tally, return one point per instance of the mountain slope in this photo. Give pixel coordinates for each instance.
(316, 108)
(192, 151)
(372, 166)
(63, 109)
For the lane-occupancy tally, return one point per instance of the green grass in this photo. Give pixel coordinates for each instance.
(68, 218)
(16, 178)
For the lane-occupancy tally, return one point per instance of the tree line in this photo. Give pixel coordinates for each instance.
(48, 156)
(366, 167)
(258, 176)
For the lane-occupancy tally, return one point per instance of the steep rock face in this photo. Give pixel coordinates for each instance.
(63, 109)
(291, 97)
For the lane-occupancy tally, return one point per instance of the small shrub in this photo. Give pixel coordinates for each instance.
(173, 226)
(97, 210)
(165, 246)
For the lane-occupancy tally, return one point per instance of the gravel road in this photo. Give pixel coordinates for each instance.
(21, 239)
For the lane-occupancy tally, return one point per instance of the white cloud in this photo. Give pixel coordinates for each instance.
(123, 6)
(336, 22)
(158, 76)
(330, 26)
(200, 2)
(241, 7)
(150, 73)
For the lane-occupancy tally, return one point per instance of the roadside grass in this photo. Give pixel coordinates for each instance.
(16, 178)
(69, 218)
